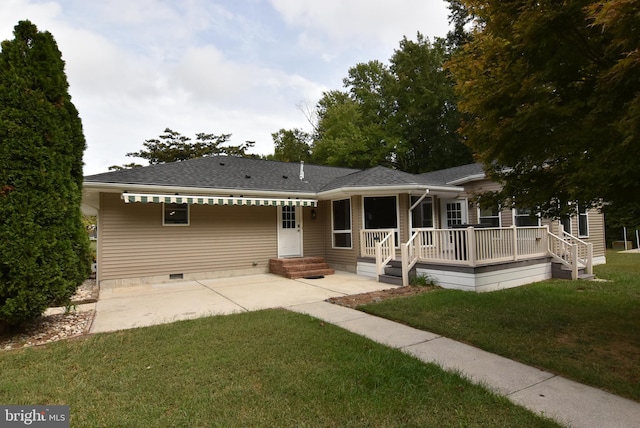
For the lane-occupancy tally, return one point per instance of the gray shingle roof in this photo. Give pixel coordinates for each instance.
(234, 173)
(226, 172)
(379, 176)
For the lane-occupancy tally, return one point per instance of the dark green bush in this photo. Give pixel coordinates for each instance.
(44, 252)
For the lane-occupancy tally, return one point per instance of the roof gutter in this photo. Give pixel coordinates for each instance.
(355, 190)
(329, 194)
(148, 188)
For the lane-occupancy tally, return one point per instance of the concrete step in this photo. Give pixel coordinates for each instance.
(300, 267)
(309, 273)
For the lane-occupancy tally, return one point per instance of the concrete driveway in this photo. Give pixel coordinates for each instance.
(144, 305)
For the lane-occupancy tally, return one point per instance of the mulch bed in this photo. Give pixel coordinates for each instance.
(377, 296)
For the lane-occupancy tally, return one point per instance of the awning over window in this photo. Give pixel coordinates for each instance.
(216, 200)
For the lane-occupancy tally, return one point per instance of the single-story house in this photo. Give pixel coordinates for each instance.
(224, 216)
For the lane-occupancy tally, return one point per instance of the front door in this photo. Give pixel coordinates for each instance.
(289, 231)
(453, 213)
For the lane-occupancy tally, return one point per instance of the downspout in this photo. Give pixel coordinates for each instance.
(426, 192)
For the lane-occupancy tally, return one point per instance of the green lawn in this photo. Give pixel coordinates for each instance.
(584, 330)
(268, 368)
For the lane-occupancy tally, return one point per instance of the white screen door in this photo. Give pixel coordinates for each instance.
(289, 232)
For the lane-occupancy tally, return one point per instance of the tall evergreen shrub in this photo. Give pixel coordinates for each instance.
(44, 249)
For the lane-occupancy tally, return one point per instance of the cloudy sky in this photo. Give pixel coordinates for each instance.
(241, 67)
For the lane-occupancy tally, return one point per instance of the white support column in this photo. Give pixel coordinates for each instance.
(574, 262)
(404, 253)
(514, 241)
(471, 246)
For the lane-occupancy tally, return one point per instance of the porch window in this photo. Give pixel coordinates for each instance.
(566, 224)
(489, 216)
(341, 221)
(175, 215)
(422, 215)
(525, 217)
(381, 212)
(583, 222)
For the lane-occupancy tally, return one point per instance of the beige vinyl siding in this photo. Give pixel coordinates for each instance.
(313, 232)
(596, 232)
(403, 218)
(134, 243)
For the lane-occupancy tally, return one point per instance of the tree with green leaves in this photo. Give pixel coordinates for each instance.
(291, 145)
(553, 100)
(172, 146)
(402, 116)
(344, 137)
(44, 254)
(426, 116)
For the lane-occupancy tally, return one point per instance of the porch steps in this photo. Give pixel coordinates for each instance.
(560, 271)
(300, 267)
(393, 273)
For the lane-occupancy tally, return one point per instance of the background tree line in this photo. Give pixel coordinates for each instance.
(403, 116)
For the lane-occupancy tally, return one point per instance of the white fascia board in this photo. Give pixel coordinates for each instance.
(380, 190)
(467, 179)
(148, 188)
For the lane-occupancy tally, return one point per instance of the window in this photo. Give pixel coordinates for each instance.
(583, 222)
(175, 215)
(422, 215)
(288, 217)
(341, 220)
(453, 213)
(381, 212)
(525, 217)
(489, 216)
(566, 224)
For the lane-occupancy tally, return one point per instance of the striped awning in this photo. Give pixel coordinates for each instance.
(216, 200)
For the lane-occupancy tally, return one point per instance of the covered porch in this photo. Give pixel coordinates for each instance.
(472, 257)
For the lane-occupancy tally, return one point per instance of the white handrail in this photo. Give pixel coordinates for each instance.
(585, 251)
(410, 256)
(385, 251)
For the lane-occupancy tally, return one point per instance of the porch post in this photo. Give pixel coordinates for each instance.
(404, 254)
(471, 246)
(514, 242)
(574, 262)
(590, 258)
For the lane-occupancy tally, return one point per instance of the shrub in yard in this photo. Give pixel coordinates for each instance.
(44, 254)
(421, 280)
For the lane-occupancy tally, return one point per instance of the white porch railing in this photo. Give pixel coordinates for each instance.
(476, 247)
(571, 252)
(380, 244)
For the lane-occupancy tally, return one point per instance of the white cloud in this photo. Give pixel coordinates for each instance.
(362, 24)
(137, 67)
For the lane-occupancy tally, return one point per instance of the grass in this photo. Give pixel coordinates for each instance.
(266, 368)
(584, 330)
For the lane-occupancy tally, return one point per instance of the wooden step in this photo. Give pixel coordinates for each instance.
(390, 279)
(560, 271)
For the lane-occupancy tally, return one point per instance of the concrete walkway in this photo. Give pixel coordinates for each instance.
(569, 403)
